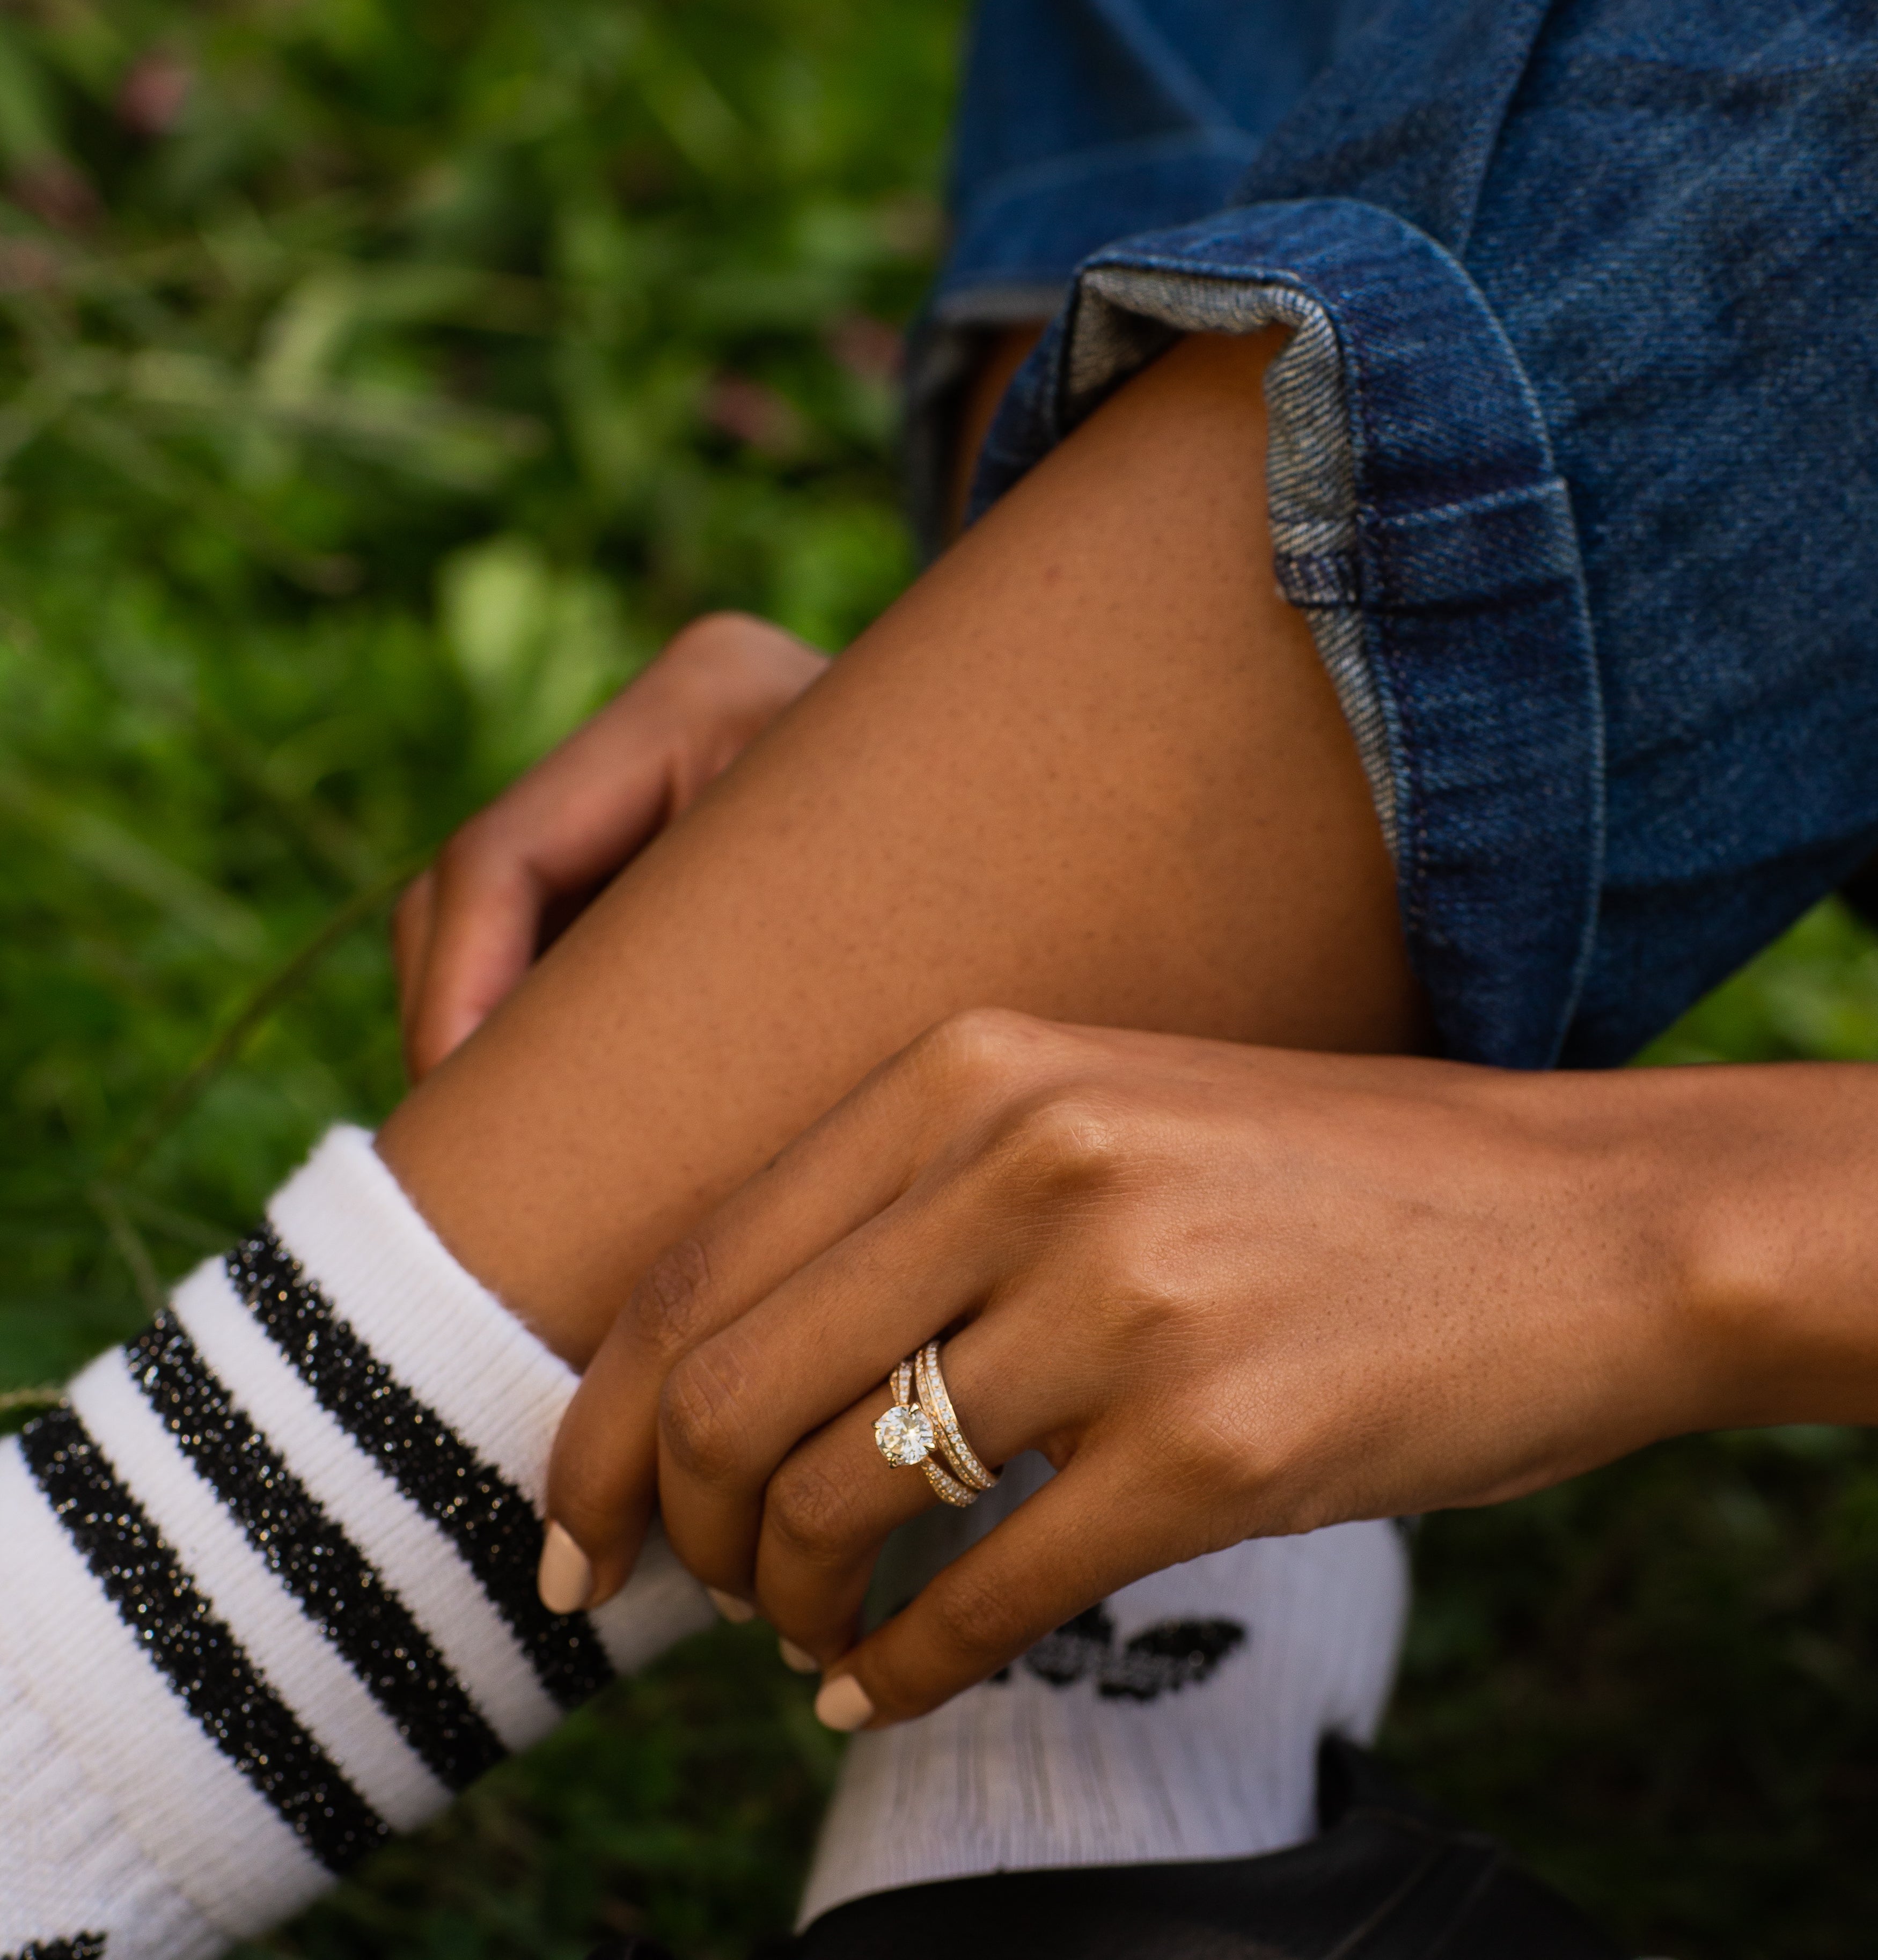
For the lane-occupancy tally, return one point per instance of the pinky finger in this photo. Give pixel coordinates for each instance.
(1056, 1555)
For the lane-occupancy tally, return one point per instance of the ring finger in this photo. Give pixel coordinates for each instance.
(832, 1502)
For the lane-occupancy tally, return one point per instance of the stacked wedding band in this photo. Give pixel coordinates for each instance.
(930, 1385)
(922, 1422)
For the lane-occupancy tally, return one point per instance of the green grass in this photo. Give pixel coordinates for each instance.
(383, 379)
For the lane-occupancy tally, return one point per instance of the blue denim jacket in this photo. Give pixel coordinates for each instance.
(1574, 443)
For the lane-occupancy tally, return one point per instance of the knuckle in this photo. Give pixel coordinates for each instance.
(710, 631)
(1072, 1135)
(717, 644)
(585, 1497)
(980, 1050)
(702, 1422)
(813, 1513)
(670, 1306)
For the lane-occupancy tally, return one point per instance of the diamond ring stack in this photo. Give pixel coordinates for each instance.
(919, 1432)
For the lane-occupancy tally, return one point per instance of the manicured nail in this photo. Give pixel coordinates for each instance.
(565, 1578)
(843, 1704)
(736, 1611)
(798, 1658)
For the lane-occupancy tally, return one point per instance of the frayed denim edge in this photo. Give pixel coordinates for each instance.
(1125, 317)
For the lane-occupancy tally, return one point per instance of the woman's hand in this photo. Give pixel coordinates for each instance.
(469, 927)
(1226, 1291)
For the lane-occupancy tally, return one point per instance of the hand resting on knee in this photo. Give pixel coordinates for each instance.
(471, 925)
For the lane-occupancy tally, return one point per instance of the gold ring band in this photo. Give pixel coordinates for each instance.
(936, 1402)
(951, 1489)
(905, 1436)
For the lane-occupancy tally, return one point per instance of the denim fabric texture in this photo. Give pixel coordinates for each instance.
(1575, 445)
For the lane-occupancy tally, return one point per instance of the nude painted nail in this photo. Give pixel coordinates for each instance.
(737, 1611)
(565, 1578)
(798, 1658)
(843, 1704)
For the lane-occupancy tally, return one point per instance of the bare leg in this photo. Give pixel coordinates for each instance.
(1089, 767)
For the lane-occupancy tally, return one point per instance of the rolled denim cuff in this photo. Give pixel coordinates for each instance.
(1417, 518)
(1018, 243)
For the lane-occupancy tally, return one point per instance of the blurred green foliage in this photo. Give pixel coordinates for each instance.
(380, 381)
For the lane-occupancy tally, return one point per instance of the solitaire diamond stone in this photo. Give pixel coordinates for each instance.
(904, 1437)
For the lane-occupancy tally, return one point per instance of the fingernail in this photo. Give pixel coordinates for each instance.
(843, 1704)
(798, 1658)
(736, 1611)
(565, 1578)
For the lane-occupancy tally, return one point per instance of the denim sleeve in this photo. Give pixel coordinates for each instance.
(1573, 468)
(1081, 122)
(1418, 517)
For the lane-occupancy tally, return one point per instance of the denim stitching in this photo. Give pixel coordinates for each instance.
(1123, 312)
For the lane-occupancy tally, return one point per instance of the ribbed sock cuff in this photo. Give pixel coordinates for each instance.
(1178, 1720)
(267, 1578)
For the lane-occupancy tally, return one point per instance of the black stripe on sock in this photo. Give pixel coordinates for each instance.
(490, 1523)
(341, 1590)
(205, 1664)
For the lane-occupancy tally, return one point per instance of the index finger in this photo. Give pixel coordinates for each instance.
(483, 911)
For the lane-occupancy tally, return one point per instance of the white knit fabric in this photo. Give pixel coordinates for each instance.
(62, 1850)
(497, 1385)
(266, 1620)
(1028, 1772)
(379, 1519)
(121, 1813)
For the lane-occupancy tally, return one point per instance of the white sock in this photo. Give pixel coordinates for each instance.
(1178, 1720)
(267, 1588)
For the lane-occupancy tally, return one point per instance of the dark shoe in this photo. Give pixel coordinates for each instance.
(1389, 1878)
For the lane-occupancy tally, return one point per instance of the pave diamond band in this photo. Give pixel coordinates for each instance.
(936, 1404)
(922, 1431)
(914, 1416)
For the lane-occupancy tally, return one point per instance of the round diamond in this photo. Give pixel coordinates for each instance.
(905, 1436)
